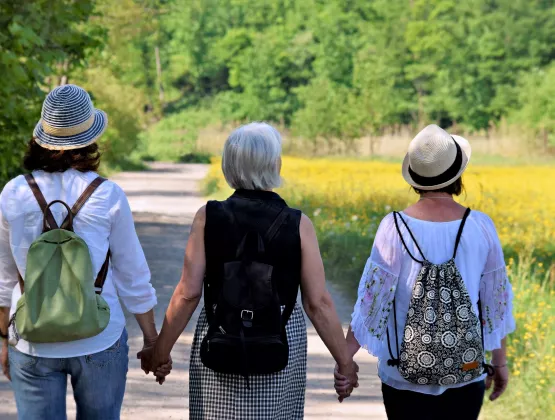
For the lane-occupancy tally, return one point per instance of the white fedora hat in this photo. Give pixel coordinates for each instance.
(435, 159)
(69, 120)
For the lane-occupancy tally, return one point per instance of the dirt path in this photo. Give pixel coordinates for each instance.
(164, 201)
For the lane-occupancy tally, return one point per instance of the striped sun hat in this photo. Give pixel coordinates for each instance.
(69, 120)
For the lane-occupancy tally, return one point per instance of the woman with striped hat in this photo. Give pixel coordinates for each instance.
(62, 160)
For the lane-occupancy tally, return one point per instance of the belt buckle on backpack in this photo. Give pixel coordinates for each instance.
(246, 317)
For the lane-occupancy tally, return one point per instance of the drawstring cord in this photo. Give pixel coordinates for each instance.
(393, 361)
(489, 369)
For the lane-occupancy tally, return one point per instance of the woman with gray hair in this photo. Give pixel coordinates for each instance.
(251, 252)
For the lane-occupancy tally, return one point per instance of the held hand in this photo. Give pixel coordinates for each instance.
(4, 359)
(346, 379)
(161, 365)
(342, 385)
(145, 355)
(163, 370)
(151, 362)
(500, 380)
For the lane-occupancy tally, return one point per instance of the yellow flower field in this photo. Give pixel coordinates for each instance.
(520, 200)
(346, 200)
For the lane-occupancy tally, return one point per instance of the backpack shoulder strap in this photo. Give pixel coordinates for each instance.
(276, 225)
(103, 273)
(268, 237)
(98, 181)
(395, 215)
(49, 217)
(232, 220)
(47, 214)
(459, 233)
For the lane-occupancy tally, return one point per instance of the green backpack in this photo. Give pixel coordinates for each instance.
(60, 301)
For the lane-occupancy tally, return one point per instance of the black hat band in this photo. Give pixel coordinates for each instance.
(448, 175)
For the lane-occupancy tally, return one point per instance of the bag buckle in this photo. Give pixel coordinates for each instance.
(247, 315)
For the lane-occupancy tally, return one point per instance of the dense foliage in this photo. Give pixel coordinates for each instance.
(39, 42)
(348, 68)
(328, 69)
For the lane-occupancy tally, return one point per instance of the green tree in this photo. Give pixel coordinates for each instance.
(536, 91)
(40, 42)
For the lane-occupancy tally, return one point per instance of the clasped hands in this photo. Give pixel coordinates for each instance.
(151, 361)
(345, 380)
(345, 376)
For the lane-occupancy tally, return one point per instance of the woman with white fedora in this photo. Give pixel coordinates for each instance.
(430, 241)
(62, 159)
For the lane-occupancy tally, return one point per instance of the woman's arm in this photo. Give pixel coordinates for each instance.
(187, 294)
(130, 272)
(8, 280)
(148, 325)
(500, 379)
(352, 343)
(150, 334)
(496, 299)
(318, 303)
(4, 361)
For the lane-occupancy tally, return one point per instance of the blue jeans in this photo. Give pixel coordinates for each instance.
(98, 382)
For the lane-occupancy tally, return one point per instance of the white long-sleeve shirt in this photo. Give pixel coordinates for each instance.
(105, 221)
(391, 273)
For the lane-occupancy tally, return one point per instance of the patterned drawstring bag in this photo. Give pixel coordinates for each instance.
(443, 340)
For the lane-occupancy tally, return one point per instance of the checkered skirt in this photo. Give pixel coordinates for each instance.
(278, 396)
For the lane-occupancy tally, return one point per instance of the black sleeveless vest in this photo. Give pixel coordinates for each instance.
(254, 210)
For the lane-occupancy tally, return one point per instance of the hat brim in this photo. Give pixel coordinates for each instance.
(77, 141)
(467, 152)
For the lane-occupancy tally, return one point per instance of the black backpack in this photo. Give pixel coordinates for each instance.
(246, 333)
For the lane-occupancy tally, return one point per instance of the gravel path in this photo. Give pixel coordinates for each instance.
(164, 201)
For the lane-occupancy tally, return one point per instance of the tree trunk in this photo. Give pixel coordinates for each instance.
(159, 76)
(64, 78)
(420, 110)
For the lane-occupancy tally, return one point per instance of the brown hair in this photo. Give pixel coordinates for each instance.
(38, 158)
(456, 188)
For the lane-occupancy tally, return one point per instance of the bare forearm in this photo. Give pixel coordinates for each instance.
(178, 315)
(352, 343)
(4, 320)
(324, 318)
(499, 356)
(147, 324)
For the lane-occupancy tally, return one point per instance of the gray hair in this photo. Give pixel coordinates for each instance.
(252, 157)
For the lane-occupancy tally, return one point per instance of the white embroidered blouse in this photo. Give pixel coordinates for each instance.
(391, 273)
